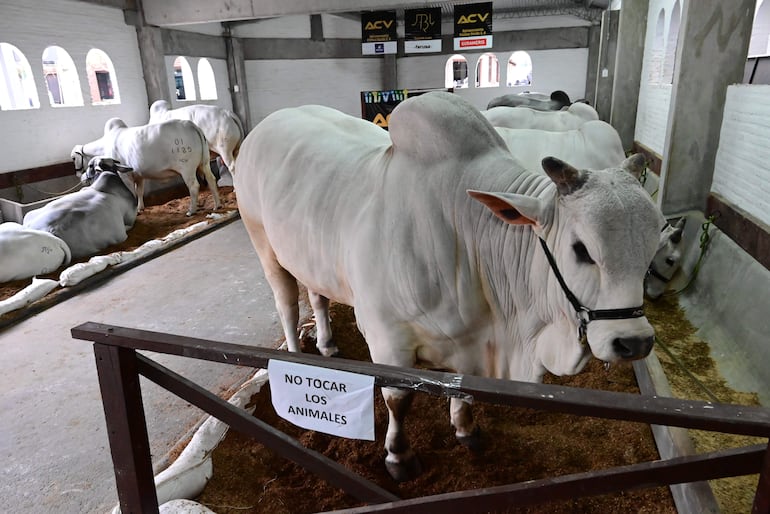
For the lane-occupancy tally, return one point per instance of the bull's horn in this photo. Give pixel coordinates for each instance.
(567, 178)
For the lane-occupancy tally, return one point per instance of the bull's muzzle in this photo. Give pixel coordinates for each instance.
(632, 348)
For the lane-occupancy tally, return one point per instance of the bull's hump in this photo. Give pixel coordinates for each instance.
(438, 126)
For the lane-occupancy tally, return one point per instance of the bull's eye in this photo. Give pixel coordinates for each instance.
(581, 252)
(670, 261)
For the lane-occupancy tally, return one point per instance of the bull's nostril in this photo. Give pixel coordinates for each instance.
(632, 347)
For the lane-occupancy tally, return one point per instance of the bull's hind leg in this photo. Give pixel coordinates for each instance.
(191, 181)
(324, 341)
(205, 168)
(283, 284)
(401, 462)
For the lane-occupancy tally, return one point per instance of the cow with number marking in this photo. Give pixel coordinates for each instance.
(222, 128)
(156, 151)
(26, 252)
(448, 250)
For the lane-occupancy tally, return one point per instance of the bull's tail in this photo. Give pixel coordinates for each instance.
(205, 167)
(237, 121)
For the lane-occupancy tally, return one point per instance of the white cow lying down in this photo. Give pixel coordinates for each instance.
(93, 218)
(156, 151)
(222, 128)
(524, 117)
(26, 252)
(431, 232)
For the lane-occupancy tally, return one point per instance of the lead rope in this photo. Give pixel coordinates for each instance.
(705, 239)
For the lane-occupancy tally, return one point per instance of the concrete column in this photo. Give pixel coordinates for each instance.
(389, 72)
(236, 72)
(632, 28)
(594, 40)
(711, 54)
(606, 71)
(150, 43)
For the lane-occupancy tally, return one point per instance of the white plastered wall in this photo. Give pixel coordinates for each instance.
(654, 97)
(46, 135)
(219, 66)
(337, 83)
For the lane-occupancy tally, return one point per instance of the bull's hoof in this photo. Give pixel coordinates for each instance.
(404, 471)
(473, 441)
(188, 213)
(329, 349)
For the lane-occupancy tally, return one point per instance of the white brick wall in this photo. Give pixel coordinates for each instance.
(335, 83)
(43, 136)
(741, 172)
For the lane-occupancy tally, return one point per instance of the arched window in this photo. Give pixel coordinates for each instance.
(669, 60)
(487, 71)
(102, 81)
(656, 55)
(183, 79)
(456, 72)
(760, 30)
(206, 81)
(519, 72)
(61, 77)
(17, 87)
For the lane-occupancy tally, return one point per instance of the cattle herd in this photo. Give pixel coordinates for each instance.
(507, 243)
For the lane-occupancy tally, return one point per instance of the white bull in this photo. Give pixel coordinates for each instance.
(525, 118)
(155, 151)
(93, 218)
(222, 128)
(556, 101)
(431, 231)
(26, 252)
(596, 145)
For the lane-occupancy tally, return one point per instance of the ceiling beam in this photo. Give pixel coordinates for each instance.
(180, 12)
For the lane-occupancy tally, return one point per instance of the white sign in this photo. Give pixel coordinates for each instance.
(386, 47)
(325, 400)
(422, 46)
(466, 43)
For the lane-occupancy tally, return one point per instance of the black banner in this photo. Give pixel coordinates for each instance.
(377, 105)
(420, 24)
(473, 20)
(378, 26)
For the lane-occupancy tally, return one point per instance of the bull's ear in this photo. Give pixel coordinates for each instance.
(511, 208)
(567, 178)
(634, 165)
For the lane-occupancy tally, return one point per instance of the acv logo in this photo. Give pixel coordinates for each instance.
(375, 25)
(472, 18)
(381, 121)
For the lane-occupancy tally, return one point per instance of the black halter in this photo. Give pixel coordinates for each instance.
(584, 314)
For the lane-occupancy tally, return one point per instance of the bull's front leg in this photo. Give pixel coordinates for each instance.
(466, 430)
(401, 462)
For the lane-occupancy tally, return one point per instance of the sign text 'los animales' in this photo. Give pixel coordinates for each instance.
(325, 400)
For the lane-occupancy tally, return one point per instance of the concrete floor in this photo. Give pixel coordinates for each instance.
(53, 444)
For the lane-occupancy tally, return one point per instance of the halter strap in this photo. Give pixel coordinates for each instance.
(584, 314)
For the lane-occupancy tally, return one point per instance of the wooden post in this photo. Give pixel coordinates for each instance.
(126, 428)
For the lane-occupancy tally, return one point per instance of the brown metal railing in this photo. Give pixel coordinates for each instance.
(119, 367)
